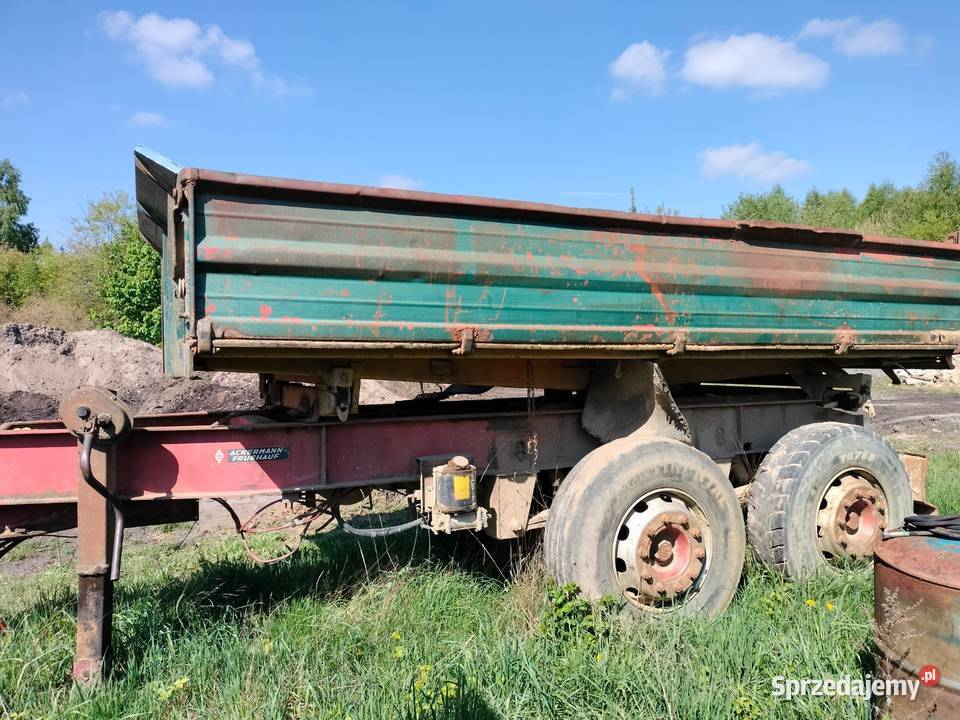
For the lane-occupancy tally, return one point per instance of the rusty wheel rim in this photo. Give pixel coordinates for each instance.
(852, 515)
(661, 549)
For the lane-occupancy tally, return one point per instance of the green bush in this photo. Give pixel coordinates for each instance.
(129, 287)
(23, 275)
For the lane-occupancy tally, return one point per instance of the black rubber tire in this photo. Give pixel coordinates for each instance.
(586, 513)
(786, 493)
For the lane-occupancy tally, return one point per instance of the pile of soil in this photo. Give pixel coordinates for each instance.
(39, 364)
(946, 378)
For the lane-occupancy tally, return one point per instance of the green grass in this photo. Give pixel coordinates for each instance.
(357, 630)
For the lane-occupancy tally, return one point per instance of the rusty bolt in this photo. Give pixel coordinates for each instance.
(647, 577)
(872, 497)
(700, 554)
(843, 543)
(83, 412)
(684, 523)
(882, 510)
(697, 535)
(661, 590)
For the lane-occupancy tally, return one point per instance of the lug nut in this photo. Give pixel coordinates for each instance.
(700, 554)
(661, 590)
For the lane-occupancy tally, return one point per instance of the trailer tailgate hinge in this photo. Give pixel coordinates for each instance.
(466, 342)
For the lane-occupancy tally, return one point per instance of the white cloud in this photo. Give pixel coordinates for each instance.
(749, 162)
(856, 38)
(177, 52)
(17, 97)
(147, 119)
(640, 67)
(757, 61)
(398, 182)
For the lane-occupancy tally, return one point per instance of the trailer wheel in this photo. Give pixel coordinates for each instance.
(825, 491)
(654, 521)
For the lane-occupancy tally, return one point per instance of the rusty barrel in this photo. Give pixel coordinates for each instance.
(917, 628)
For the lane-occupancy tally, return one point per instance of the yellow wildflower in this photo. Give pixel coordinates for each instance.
(829, 606)
(810, 602)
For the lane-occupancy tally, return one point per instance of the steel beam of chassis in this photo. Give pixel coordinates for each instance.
(199, 456)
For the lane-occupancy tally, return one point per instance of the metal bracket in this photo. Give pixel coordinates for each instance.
(832, 386)
(205, 336)
(466, 342)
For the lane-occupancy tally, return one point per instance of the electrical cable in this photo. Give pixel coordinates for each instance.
(373, 532)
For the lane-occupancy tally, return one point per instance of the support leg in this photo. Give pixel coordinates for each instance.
(95, 589)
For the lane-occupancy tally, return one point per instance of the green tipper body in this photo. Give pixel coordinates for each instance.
(262, 263)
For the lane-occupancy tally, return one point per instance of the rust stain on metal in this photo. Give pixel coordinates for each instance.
(639, 249)
(844, 338)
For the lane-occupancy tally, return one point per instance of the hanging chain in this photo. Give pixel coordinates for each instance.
(533, 442)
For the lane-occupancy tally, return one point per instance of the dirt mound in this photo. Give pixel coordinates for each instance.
(39, 364)
(946, 378)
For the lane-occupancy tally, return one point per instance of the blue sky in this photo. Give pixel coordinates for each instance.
(563, 102)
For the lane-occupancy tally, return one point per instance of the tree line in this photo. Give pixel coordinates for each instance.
(928, 211)
(107, 276)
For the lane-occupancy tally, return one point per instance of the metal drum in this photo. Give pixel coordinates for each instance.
(917, 628)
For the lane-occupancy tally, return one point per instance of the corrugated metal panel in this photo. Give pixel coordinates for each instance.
(302, 270)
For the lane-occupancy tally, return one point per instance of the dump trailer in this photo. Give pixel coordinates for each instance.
(676, 386)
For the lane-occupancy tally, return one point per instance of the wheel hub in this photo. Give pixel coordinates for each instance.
(661, 551)
(853, 514)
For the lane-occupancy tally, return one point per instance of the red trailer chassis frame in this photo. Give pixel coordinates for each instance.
(166, 463)
(160, 469)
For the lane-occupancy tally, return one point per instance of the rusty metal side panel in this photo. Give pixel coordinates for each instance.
(295, 269)
(918, 622)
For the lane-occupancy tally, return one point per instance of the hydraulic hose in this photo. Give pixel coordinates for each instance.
(941, 526)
